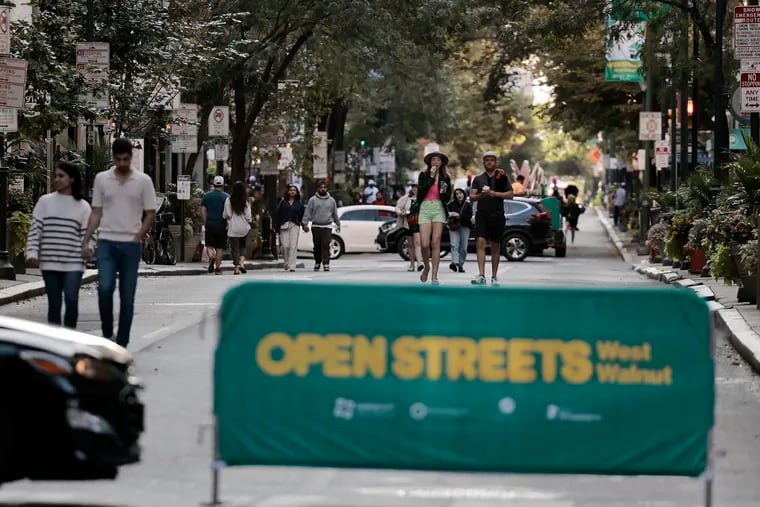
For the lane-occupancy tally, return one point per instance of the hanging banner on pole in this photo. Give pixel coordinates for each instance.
(93, 61)
(5, 30)
(320, 154)
(623, 52)
(13, 79)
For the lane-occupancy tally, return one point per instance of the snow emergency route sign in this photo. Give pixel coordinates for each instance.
(750, 92)
(747, 31)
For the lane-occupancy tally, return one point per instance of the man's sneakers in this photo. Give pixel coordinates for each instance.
(481, 280)
(453, 267)
(326, 267)
(316, 267)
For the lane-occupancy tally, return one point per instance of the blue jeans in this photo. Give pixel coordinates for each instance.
(122, 257)
(458, 240)
(62, 286)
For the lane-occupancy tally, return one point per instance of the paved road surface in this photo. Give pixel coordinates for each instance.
(174, 346)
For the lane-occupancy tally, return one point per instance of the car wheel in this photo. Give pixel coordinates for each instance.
(515, 247)
(403, 247)
(337, 248)
(560, 251)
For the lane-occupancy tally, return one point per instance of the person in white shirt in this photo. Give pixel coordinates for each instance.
(59, 222)
(124, 209)
(237, 212)
(620, 196)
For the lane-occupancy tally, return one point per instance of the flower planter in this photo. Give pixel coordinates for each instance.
(191, 247)
(667, 262)
(685, 265)
(698, 260)
(653, 254)
(747, 292)
(676, 264)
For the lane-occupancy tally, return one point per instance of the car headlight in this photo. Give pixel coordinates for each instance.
(387, 226)
(94, 369)
(45, 362)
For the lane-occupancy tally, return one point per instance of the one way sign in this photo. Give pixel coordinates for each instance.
(750, 92)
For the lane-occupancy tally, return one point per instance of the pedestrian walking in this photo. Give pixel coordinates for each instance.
(212, 216)
(489, 190)
(123, 211)
(620, 195)
(434, 185)
(322, 212)
(237, 212)
(407, 218)
(287, 220)
(59, 224)
(572, 212)
(460, 220)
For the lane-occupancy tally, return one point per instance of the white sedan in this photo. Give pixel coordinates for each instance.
(358, 230)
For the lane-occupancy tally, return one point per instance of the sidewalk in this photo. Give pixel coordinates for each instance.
(740, 321)
(30, 284)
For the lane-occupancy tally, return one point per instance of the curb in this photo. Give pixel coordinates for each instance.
(29, 290)
(742, 337)
(613, 236)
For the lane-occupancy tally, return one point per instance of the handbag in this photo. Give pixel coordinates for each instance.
(454, 223)
(413, 218)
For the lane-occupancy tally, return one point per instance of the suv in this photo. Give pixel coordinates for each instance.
(528, 232)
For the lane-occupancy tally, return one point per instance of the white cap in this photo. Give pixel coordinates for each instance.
(218, 181)
(490, 154)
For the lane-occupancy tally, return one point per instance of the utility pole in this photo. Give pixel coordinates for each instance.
(89, 155)
(720, 132)
(684, 102)
(7, 272)
(754, 118)
(645, 204)
(694, 100)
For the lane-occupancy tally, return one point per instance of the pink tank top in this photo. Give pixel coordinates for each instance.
(433, 194)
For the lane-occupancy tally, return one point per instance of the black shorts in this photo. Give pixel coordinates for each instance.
(216, 238)
(490, 227)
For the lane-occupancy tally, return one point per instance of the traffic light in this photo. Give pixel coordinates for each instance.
(363, 143)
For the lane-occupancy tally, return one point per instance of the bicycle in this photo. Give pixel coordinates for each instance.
(158, 244)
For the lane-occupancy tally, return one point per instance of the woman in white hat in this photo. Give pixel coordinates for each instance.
(433, 193)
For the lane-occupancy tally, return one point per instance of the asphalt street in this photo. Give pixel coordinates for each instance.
(173, 339)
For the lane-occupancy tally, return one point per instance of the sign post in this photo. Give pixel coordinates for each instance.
(661, 154)
(183, 194)
(747, 49)
(184, 129)
(219, 126)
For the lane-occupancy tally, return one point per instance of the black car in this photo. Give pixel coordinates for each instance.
(69, 405)
(528, 232)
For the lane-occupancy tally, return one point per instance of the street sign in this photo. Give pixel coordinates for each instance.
(185, 120)
(320, 154)
(93, 62)
(750, 64)
(219, 122)
(183, 187)
(269, 166)
(339, 161)
(185, 144)
(16, 183)
(5, 30)
(286, 158)
(8, 120)
(650, 126)
(661, 154)
(12, 82)
(747, 31)
(221, 151)
(749, 83)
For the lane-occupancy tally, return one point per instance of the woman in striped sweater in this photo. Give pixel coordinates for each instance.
(55, 240)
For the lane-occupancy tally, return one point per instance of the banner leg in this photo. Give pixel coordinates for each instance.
(709, 476)
(215, 468)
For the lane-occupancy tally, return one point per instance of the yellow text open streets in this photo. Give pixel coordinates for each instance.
(497, 359)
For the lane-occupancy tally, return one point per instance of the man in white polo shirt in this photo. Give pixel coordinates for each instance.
(120, 197)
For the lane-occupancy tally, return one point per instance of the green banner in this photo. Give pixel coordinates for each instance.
(465, 379)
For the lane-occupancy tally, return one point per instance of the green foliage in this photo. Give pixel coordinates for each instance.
(749, 256)
(19, 223)
(657, 235)
(722, 264)
(19, 202)
(697, 234)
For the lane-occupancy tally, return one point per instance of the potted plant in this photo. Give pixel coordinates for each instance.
(694, 248)
(679, 236)
(748, 272)
(656, 238)
(19, 230)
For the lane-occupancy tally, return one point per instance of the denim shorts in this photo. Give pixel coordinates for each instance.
(432, 212)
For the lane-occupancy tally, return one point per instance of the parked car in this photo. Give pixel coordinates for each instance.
(358, 228)
(528, 232)
(69, 405)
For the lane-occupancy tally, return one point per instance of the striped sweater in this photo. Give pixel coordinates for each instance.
(59, 223)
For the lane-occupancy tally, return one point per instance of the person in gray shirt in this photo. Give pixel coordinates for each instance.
(321, 212)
